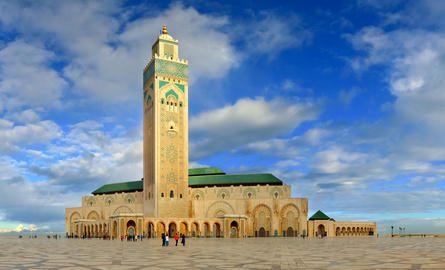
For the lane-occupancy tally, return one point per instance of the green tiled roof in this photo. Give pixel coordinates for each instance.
(199, 178)
(205, 171)
(234, 179)
(319, 216)
(120, 187)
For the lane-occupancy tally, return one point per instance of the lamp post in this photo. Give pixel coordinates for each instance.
(392, 231)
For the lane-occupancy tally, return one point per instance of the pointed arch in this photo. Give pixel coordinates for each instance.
(219, 207)
(122, 210)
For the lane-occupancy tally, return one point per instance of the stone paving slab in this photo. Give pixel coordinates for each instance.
(251, 253)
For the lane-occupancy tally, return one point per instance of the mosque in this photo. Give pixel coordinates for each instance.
(203, 202)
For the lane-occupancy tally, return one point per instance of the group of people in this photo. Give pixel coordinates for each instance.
(133, 238)
(166, 238)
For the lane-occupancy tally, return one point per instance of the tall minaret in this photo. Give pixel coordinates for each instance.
(166, 131)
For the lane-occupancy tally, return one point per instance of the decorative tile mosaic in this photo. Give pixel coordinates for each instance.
(172, 178)
(170, 68)
(171, 154)
(171, 92)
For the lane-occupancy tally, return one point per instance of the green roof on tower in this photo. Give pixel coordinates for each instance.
(319, 216)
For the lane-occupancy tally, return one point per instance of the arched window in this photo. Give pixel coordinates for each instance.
(180, 196)
(171, 194)
(162, 194)
(162, 101)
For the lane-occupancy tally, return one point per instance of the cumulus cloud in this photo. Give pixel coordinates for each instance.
(14, 137)
(20, 228)
(247, 121)
(26, 78)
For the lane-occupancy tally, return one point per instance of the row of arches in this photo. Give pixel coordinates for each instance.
(154, 229)
(354, 231)
(151, 229)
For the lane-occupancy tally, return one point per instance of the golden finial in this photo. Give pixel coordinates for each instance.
(165, 30)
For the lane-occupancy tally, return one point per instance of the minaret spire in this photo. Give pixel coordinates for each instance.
(165, 30)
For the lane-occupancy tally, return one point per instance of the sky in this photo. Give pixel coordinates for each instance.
(342, 100)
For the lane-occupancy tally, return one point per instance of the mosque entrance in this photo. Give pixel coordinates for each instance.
(234, 229)
(321, 230)
(262, 232)
(131, 228)
(290, 232)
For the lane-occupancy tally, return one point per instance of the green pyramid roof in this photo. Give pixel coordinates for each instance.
(319, 216)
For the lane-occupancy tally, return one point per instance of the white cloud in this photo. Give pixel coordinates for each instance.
(20, 228)
(246, 121)
(16, 136)
(26, 116)
(26, 78)
(202, 40)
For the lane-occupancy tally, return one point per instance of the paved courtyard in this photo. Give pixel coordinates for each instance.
(252, 253)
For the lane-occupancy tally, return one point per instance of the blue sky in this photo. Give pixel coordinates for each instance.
(343, 100)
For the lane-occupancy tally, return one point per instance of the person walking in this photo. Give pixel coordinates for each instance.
(122, 238)
(163, 239)
(166, 240)
(176, 239)
(183, 239)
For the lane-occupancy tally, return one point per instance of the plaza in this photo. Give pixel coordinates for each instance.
(228, 253)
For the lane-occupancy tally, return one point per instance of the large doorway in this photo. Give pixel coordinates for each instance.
(262, 232)
(290, 232)
(131, 228)
(321, 231)
(234, 229)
